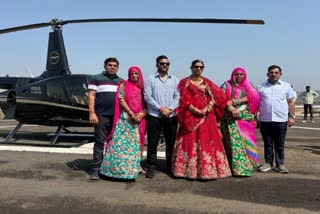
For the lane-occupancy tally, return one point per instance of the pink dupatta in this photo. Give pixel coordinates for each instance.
(246, 128)
(245, 86)
(133, 95)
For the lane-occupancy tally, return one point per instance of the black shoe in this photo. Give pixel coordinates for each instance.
(169, 170)
(150, 173)
(94, 176)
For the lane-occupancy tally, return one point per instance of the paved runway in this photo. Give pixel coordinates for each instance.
(80, 141)
(37, 181)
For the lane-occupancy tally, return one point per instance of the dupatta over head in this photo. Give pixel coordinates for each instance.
(133, 91)
(247, 128)
(245, 86)
(133, 95)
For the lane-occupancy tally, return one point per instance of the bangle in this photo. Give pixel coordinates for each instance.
(236, 102)
(208, 109)
(91, 111)
(192, 109)
(231, 108)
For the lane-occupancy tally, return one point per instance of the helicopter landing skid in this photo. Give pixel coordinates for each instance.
(13, 132)
(57, 134)
(52, 141)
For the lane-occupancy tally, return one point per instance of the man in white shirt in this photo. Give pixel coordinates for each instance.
(276, 103)
(308, 96)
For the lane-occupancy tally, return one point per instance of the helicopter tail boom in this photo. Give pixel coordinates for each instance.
(13, 82)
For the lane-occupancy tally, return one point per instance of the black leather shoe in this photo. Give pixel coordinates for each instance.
(94, 176)
(150, 173)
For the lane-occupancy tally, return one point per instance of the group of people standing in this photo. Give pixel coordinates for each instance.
(210, 131)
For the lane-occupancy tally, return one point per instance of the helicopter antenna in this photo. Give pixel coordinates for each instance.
(29, 70)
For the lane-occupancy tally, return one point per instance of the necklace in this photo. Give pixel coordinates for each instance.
(197, 80)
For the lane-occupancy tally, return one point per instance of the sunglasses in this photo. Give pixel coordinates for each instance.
(201, 67)
(111, 65)
(238, 74)
(164, 63)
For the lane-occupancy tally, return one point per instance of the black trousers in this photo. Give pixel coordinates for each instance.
(154, 127)
(101, 131)
(306, 108)
(274, 134)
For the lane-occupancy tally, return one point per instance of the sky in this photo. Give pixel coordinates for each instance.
(290, 37)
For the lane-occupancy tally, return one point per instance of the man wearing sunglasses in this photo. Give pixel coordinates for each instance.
(162, 97)
(102, 91)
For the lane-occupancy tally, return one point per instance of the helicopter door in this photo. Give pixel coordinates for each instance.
(77, 90)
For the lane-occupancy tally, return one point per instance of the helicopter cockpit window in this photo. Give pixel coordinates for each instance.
(78, 90)
(55, 90)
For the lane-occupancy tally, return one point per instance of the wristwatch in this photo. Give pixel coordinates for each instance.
(292, 116)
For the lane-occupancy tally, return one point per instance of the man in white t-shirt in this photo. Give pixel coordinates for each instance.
(308, 97)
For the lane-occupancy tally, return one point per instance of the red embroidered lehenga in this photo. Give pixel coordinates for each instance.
(198, 152)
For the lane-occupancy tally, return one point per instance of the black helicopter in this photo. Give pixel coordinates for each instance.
(57, 97)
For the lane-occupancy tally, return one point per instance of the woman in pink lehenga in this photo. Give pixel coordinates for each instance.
(126, 141)
(238, 125)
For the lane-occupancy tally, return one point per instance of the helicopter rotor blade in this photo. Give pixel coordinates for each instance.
(25, 27)
(169, 20)
(58, 23)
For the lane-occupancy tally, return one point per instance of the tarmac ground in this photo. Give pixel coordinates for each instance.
(36, 177)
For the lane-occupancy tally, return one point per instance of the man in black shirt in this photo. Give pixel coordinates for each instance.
(102, 91)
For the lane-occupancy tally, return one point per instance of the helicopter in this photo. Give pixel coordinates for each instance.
(57, 97)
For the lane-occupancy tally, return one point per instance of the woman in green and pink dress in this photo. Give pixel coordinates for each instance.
(238, 125)
(126, 140)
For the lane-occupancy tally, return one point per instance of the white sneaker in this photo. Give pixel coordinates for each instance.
(265, 167)
(312, 121)
(282, 169)
(303, 121)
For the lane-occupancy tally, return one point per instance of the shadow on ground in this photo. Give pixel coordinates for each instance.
(26, 174)
(57, 204)
(80, 165)
(276, 191)
(313, 149)
(282, 192)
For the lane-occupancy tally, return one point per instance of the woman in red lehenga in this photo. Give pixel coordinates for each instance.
(198, 152)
